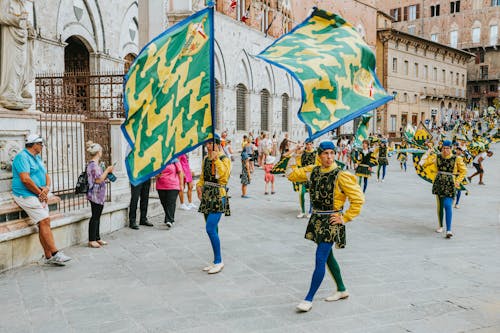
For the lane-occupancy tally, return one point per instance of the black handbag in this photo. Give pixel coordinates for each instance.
(82, 183)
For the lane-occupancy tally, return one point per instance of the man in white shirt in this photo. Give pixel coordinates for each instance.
(478, 164)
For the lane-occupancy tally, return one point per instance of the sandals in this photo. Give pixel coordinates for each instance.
(94, 245)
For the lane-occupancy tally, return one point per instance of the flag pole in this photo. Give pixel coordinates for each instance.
(211, 15)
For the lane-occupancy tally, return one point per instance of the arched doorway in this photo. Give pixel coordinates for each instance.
(76, 75)
(76, 56)
(129, 59)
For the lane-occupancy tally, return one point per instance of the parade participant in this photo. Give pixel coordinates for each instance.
(445, 183)
(31, 191)
(188, 180)
(459, 152)
(245, 177)
(211, 190)
(268, 176)
(365, 159)
(403, 156)
(96, 194)
(307, 157)
(383, 161)
(329, 188)
(478, 164)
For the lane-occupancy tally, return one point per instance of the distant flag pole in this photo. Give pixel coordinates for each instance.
(211, 5)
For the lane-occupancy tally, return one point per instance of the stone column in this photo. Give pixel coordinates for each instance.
(119, 149)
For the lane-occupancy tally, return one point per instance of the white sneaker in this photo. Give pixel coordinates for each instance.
(169, 225)
(301, 215)
(304, 306)
(307, 216)
(59, 259)
(439, 230)
(216, 268)
(207, 268)
(337, 295)
(192, 206)
(184, 207)
(449, 234)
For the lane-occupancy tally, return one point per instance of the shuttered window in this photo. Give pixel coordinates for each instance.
(241, 107)
(264, 110)
(284, 112)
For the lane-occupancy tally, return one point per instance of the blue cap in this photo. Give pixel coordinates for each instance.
(447, 143)
(325, 145)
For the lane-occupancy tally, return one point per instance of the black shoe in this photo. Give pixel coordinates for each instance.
(146, 223)
(134, 226)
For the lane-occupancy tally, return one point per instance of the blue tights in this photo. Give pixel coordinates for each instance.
(212, 220)
(444, 208)
(322, 252)
(459, 193)
(365, 183)
(383, 167)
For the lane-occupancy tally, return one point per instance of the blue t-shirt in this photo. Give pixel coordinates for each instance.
(27, 162)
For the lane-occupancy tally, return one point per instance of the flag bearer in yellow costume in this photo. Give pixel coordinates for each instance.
(451, 170)
(307, 157)
(329, 188)
(212, 192)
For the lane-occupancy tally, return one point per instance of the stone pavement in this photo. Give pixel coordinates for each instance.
(402, 276)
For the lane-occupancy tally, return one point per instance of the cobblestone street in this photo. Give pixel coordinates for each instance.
(402, 276)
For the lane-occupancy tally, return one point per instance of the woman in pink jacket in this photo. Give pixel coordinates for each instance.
(169, 183)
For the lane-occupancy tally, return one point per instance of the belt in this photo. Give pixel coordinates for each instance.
(365, 165)
(212, 184)
(446, 173)
(326, 212)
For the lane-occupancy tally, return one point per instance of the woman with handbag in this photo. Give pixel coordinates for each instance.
(96, 194)
(329, 188)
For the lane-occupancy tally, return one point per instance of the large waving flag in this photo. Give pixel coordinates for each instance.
(169, 96)
(334, 67)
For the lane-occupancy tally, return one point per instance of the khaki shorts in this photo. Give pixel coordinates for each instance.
(33, 207)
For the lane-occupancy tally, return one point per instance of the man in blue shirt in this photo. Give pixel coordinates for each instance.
(30, 189)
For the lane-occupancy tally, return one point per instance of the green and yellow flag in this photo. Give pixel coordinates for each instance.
(169, 96)
(362, 133)
(334, 67)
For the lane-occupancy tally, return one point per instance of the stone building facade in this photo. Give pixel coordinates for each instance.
(428, 80)
(472, 26)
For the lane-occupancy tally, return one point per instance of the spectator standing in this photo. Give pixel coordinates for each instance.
(168, 184)
(188, 180)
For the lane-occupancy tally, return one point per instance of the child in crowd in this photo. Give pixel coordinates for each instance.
(269, 177)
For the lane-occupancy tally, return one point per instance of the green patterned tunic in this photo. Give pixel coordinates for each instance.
(444, 183)
(319, 228)
(382, 156)
(211, 199)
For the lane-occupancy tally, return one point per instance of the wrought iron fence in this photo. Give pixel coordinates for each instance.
(76, 108)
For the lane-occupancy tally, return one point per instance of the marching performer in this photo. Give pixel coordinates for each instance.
(329, 189)
(365, 159)
(383, 161)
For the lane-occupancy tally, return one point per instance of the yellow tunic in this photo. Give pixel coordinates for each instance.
(222, 172)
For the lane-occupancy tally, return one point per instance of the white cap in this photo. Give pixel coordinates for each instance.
(34, 138)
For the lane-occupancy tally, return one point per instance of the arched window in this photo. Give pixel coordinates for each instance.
(264, 110)
(241, 107)
(129, 59)
(217, 111)
(285, 100)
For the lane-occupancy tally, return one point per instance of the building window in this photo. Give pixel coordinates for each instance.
(454, 38)
(393, 123)
(394, 65)
(411, 12)
(493, 34)
(463, 80)
(426, 72)
(476, 35)
(396, 14)
(415, 69)
(435, 74)
(451, 77)
(285, 100)
(264, 110)
(454, 7)
(435, 10)
(493, 88)
(476, 89)
(444, 75)
(406, 68)
(457, 79)
(411, 29)
(434, 37)
(241, 107)
(495, 3)
(479, 57)
(483, 72)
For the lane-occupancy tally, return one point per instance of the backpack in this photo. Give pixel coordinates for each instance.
(82, 183)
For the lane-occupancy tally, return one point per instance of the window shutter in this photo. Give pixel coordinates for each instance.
(284, 112)
(264, 110)
(418, 11)
(241, 107)
(405, 14)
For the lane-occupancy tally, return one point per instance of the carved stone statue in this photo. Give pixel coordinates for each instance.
(16, 55)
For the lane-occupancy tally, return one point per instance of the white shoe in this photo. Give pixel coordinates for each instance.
(307, 216)
(382, 180)
(449, 234)
(337, 295)
(216, 268)
(304, 306)
(207, 268)
(184, 207)
(456, 206)
(439, 230)
(192, 206)
(378, 180)
(301, 215)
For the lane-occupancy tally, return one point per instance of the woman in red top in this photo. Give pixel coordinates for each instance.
(168, 184)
